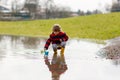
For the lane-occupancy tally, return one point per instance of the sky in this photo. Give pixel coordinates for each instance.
(83, 5)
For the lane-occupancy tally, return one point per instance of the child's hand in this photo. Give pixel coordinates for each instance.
(42, 51)
(45, 49)
(60, 40)
(63, 39)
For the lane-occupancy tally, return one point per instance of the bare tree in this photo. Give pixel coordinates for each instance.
(14, 6)
(49, 6)
(116, 6)
(64, 12)
(54, 11)
(31, 6)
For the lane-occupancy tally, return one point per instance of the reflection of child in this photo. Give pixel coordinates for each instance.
(57, 66)
(57, 38)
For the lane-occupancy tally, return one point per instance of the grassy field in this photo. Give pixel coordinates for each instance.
(100, 26)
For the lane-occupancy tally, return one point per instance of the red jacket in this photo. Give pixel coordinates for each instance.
(56, 39)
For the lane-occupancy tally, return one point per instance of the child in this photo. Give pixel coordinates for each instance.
(57, 38)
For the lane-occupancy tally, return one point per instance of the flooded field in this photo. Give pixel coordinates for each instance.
(21, 59)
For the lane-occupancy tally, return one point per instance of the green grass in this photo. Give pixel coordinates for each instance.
(100, 26)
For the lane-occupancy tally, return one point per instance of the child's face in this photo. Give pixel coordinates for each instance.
(56, 32)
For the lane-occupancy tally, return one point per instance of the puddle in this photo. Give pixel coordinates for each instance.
(21, 59)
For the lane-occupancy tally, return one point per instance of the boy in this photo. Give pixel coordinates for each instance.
(57, 38)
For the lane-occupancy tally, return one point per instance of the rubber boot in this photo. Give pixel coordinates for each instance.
(62, 51)
(55, 51)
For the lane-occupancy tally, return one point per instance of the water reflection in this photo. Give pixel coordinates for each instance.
(56, 66)
(31, 42)
(28, 42)
(28, 47)
(116, 61)
(2, 54)
(111, 51)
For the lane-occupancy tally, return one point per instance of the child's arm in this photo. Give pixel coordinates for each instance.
(47, 43)
(65, 38)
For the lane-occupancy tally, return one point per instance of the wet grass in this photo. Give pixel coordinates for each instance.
(100, 26)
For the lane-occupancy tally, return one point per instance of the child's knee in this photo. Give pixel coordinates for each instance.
(54, 46)
(63, 44)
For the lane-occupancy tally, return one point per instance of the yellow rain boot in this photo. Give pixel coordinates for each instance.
(62, 50)
(55, 51)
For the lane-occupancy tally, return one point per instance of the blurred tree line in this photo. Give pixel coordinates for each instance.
(40, 9)
(44, 9)
(115, 6)
(47, 9)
